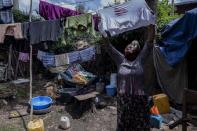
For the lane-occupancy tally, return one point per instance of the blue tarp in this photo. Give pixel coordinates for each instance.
(177, 37)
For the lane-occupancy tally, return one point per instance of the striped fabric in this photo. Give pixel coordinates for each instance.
(5, 4)
(6, 16)
(88, 54)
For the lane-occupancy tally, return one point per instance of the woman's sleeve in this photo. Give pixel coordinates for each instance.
(115, 54)
(145, 53)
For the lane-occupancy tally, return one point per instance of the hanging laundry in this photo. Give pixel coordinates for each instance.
(48, 59)
(25, 30)
(73, 57)
(84, 20)
(40, 54)
(61, 60)
(11, 30)
(51, 11)
(6, 15)
(124, 17)
(23, 57)
(45, 31)
(88, 54)
(6, 4)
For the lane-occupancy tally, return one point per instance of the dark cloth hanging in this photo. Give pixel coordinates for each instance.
(42, 31)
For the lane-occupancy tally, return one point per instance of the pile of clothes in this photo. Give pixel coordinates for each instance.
(82, 77)
(76, 74)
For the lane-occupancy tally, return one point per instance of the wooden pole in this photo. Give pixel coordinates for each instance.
(10, 63)
(173, 8)
(30, 68)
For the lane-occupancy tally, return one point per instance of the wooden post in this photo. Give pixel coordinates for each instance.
(173, 8)
(30, 68)
(10, 63)
(30, 84)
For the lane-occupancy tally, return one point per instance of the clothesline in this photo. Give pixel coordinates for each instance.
(50, 59)
(49, 30)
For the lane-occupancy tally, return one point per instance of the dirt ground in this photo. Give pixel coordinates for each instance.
(101, 120)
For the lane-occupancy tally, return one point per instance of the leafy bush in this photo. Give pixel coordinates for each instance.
(164, 13)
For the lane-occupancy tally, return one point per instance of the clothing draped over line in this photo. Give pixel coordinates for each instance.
(73, 56)
(51, 11)
(80, 30)
(88, 54)
(23, 57)
(5, 4)
(45, 31)
(84, 20)
(66, 58)
(6, 15)
(61, 60)
(172, 80)
(136, 14)
(11, 30)
(48, 59)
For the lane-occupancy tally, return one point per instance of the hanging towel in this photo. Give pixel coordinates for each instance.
(5, 4)
(124, 17)
(73, 57)
(6, 16)
(23, 57)
(11, 30)
(42, 31)
(61, 60)
(48, 59)
(40, 54)
(87, 54)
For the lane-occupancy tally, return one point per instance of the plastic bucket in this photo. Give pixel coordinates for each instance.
(113, 79)
(110, 90)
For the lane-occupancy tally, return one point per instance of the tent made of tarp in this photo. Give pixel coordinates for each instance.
(178, 36)
(170, 55)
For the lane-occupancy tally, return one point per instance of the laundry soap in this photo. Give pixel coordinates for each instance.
(36, 125)
(162, 103)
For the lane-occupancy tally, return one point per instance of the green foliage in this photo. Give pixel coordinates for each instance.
(164, 13)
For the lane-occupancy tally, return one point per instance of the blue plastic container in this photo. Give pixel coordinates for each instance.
(110, 90)
(156, 121)
(41, 102)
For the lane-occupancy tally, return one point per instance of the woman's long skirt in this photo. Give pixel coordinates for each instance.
(133, 113)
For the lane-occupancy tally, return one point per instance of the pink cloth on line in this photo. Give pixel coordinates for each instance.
(24, 57)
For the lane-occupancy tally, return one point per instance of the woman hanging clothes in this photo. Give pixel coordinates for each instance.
(132, 102)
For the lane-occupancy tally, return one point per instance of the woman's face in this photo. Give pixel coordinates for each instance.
(132, 50)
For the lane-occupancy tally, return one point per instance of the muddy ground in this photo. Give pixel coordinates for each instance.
(101, 120)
